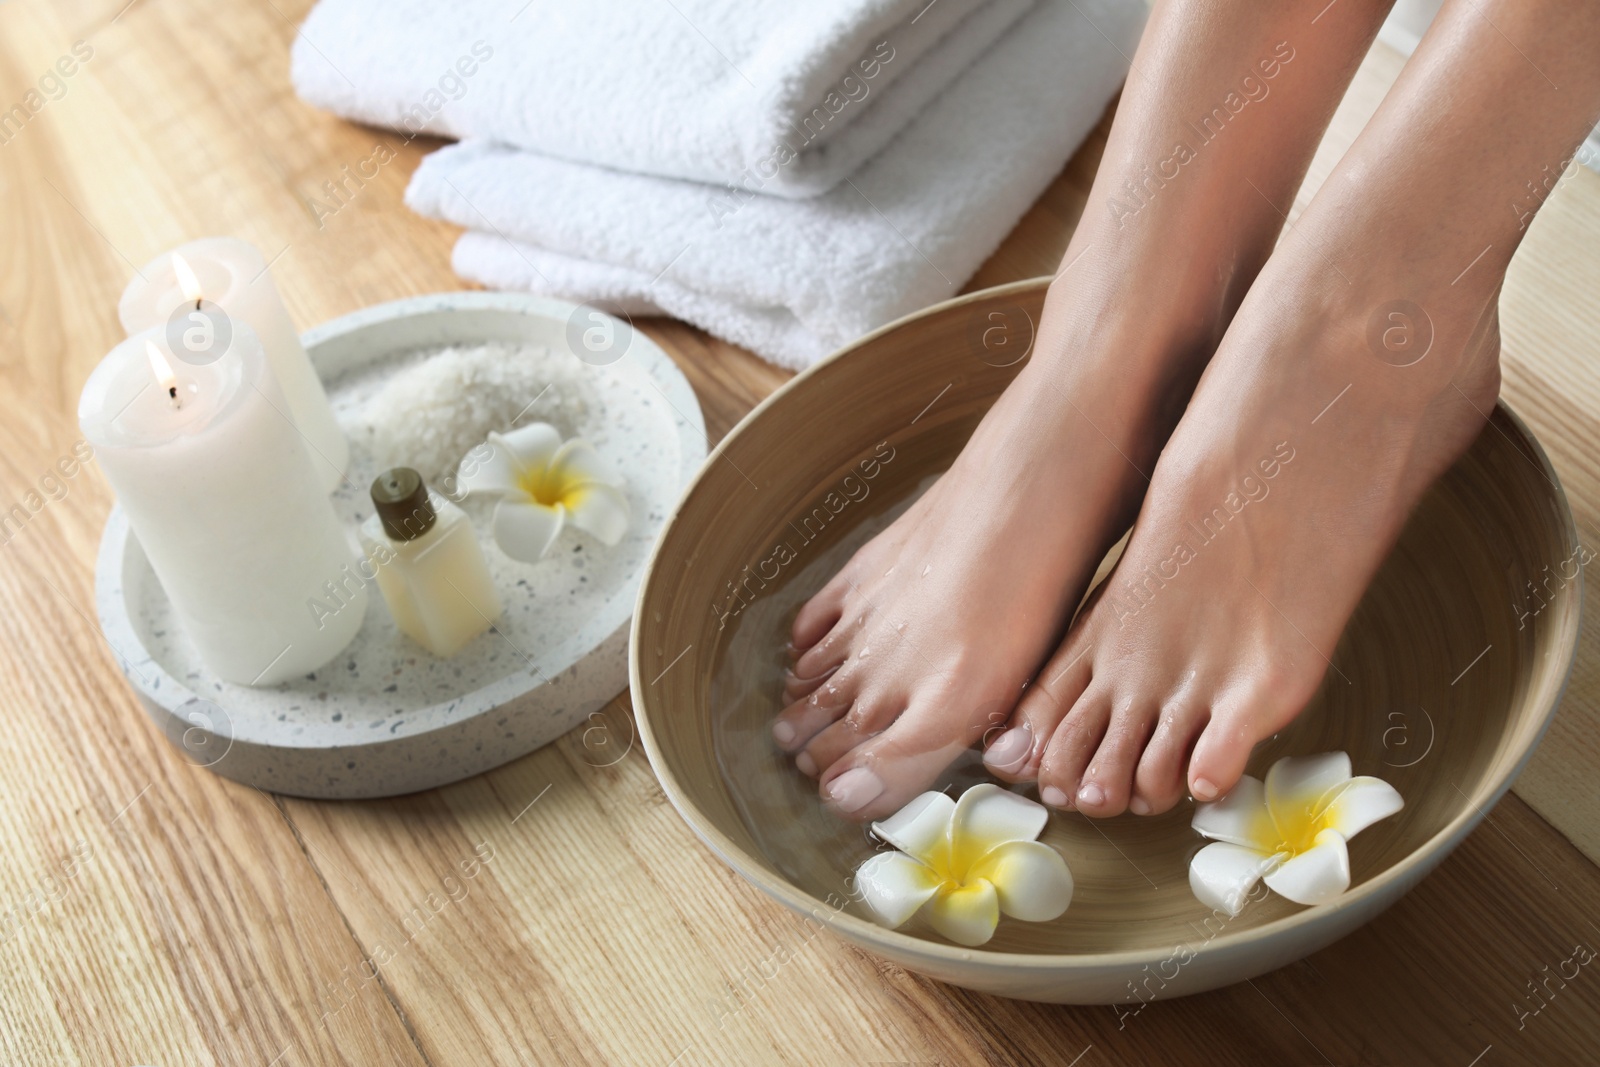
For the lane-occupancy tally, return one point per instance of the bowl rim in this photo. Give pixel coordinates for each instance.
(1374, 891)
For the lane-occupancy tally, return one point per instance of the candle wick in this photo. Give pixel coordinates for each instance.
(172, 394)
(197, 303)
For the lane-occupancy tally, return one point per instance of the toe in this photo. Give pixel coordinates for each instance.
(1070, 748)
(1108, 781)
(1238, 722)
(877, 780)
(828, 653)
(1014, 754)
(1010, 752)
(797, 688)
(803, 719)
(1220, 755)
(1158, 781)
(866, 719)
(818, 615)
(881, 775)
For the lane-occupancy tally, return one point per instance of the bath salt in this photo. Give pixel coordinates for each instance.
(431, 413)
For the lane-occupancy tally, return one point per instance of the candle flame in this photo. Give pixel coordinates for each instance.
(165, 375)
(187, 280)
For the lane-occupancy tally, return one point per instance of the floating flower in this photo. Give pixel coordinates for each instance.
(544, 483)
(1290, 831)
(964, 862)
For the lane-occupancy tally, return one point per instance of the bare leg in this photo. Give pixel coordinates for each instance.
(926, 638)
(1312, 434)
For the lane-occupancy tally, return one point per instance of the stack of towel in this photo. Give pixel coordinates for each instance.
(785, 176)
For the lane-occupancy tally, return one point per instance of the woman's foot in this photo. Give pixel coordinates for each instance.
(925, 640)
(1362, 363)
(1273, 505)
(927, 636)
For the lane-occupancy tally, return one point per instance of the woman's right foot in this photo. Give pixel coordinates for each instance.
(1277, 498)
(1367, 355)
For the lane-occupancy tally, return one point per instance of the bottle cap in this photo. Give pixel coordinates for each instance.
(401, 499)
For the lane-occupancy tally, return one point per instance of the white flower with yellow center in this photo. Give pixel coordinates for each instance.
(964, 862)
(1289, 831)
(543, 484)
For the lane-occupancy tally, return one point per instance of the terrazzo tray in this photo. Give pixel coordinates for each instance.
(385, 717)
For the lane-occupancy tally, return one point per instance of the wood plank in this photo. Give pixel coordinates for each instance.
(150, 911)
(1551, 364)
(145, 904)
(158, 914)
(598, 888)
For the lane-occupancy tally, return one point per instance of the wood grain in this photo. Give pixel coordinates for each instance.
(210, 924)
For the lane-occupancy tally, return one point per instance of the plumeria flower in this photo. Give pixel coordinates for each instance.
(542, 485)
(964, 862)
(1289, 830)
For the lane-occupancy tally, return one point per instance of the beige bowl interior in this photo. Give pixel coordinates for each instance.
(1454, 667)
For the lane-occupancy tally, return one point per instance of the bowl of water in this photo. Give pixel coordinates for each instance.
(833, 456)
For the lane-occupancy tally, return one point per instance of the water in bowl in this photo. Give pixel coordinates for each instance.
(1396, 721)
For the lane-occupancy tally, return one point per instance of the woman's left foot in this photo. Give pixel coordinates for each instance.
(1329, 409)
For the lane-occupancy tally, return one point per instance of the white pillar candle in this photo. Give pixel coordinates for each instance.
(219, 489)
(232, 275)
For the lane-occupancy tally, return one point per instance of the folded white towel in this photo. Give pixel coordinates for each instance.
(793, 280)
(763, 94)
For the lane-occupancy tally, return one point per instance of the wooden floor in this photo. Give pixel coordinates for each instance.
(557, 910)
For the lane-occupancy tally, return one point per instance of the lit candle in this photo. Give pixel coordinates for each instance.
(219, 488)
(182, 292)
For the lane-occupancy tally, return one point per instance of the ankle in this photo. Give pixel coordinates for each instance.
(1417, 296)
(1128, 350)
(1388, 324)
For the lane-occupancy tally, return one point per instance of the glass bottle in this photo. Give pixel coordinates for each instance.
(429, 567)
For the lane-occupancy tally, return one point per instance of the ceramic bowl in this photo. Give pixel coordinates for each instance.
(384, 717)
(1455, 667)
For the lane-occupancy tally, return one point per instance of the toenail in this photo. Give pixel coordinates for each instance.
(1138, 806)
(1053, 796)
(782, 732)
(1010, 750)
(855, 789)
(1091, 795)
(807, 765)
(1204, 790)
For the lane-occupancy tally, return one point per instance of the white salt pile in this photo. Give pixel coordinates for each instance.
(427, 416)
